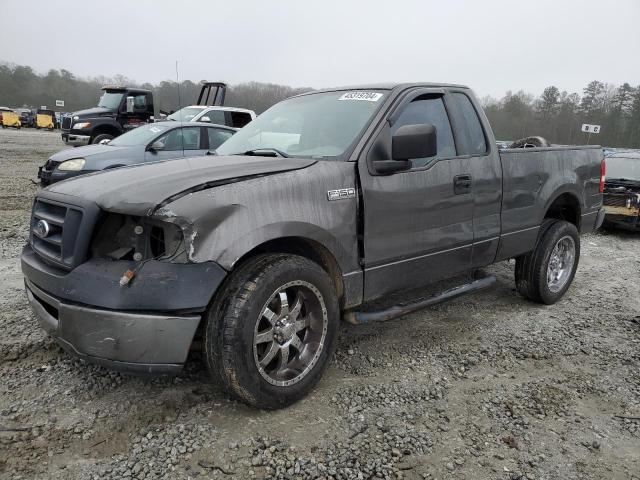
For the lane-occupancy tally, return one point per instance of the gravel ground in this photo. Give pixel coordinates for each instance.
(489, 386)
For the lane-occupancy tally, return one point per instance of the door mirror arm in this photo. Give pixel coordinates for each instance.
(387, 167)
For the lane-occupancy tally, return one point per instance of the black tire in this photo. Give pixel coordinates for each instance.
(101, 137)
(233, 322)
(532, 269)
(530, 142)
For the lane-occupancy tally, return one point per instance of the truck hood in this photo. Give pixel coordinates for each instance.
(92, 112)
(142, 189)
(88, 151)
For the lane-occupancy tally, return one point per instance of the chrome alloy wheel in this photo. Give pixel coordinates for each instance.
(290, 333)
(561, 263)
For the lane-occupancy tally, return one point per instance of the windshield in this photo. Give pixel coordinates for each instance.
(139, 136)
(623, 167)
(318, 125)
(110, 100)
(185, 114)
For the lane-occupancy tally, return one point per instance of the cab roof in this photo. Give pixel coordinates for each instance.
(120, 88)
(387, 86)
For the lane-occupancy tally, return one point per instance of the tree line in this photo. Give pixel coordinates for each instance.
(22, 87)
(556, 115)
(559, 116)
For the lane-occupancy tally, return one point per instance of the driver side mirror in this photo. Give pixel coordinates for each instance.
(407, 143)
(414, 141)
(156, 146)
(130, 105)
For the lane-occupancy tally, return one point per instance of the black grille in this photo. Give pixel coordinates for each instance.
(68, 231)
(615, 200)
(66, 123)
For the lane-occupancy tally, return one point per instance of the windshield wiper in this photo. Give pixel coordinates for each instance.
(265, 152)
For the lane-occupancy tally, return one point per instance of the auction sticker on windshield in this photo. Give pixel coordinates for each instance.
(364, 96)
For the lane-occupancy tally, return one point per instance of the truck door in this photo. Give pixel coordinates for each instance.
(140, 114)
(485, 169)
(417, 224)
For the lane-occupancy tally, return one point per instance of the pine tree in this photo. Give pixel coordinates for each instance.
(592, 100)
(549, 102)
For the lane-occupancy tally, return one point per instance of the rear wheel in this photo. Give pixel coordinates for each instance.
(270, 333)
(545, 274)
(101, 137)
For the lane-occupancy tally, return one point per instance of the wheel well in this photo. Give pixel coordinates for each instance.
(565, 207)
(99, 130)
(304, 247)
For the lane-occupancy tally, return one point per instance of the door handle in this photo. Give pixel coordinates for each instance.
(462, 184)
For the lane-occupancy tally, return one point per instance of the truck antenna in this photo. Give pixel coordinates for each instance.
(178, 83)
(180, 108)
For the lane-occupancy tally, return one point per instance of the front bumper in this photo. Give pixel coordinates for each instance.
(144, 327)
(75, 140)
(126, 341)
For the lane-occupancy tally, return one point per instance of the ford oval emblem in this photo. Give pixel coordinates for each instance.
(42, 229)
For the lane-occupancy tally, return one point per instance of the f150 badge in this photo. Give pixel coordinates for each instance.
(341, 194)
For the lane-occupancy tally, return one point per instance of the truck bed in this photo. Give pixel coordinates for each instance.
(533, 177)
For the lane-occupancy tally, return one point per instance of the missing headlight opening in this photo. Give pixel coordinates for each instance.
(124, 237)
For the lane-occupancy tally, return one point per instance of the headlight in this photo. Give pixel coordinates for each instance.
(124, 237)
(72, 165)
(81, 125)
(76, 117)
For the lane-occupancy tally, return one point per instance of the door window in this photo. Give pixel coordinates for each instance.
(182, 139)
(429, 109)
(140, 101)
(476, 143)
(217, 137)
(240, 119)
(215, 116)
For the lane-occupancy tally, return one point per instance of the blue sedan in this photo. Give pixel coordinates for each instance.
(148, 143)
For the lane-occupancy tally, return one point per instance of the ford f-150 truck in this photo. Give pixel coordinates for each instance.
(318, 210)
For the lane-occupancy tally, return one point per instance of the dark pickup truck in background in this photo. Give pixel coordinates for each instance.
(317, 210)
(120, 109)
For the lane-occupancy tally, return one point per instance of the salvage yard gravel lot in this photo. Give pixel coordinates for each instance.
(489, 386)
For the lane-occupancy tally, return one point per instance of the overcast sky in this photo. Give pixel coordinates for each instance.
(492, 45)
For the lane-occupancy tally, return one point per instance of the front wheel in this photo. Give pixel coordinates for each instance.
(546, 273)
(101, 138)
(270, 333)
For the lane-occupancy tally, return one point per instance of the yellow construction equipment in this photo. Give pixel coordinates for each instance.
(10, 119)
(45, 119)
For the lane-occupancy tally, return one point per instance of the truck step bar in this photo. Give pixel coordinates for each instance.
(360, 318)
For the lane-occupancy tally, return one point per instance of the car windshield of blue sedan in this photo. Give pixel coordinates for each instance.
(139, 136)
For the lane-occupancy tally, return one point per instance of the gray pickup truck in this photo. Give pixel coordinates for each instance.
(317, 210)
